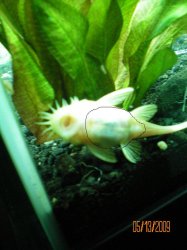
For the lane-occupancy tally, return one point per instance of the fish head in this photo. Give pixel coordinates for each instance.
(64, 122)
(68, 121)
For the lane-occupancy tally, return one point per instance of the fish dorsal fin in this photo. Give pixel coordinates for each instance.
(145, 112)
(116, 97)
(132, 151)
(103, 154)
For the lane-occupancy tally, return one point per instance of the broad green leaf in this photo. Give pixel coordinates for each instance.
(127, 9)
(63, 30)
(97, 75)
(172, 11)
(80, 5)
(92, 84)
(154, 26)
(33, 93)
(105, 23)
(144, 20)
(163, 40)
(115, 63)
(152, 17)
(136, 61)
(148, 48)
(2, 36)
(163, 60)
(49, 66)
(19, 12)
(10, 8)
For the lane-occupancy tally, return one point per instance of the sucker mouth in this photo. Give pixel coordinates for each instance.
(67, 121)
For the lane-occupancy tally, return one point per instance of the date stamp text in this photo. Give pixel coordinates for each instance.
(147, 226)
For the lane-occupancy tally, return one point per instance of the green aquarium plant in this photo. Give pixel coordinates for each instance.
(85, 48)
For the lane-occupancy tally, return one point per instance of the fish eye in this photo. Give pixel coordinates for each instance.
(67, 121)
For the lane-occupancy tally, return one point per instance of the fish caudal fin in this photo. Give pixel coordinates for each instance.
(154, 129)
(178, 127)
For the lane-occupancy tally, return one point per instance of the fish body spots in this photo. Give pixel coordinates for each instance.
(108, 127)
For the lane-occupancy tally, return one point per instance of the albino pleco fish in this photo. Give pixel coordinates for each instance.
(100, 125)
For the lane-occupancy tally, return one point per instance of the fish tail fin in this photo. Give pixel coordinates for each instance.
(178, 127)
(153, 129)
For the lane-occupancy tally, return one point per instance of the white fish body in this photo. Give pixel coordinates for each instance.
(100, 125)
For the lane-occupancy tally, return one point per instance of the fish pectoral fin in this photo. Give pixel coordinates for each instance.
(132, 151)
(116, 97)
(103, 154)
(145, 112)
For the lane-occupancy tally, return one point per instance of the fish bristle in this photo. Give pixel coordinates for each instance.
(75, 99)
(44, 113)
(52, 109)
(57, 104)
(43, 123)
(45, 116)
(49, 129)
(71, 100)
(64, 102)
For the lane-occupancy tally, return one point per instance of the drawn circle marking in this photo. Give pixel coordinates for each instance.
(92, 142)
